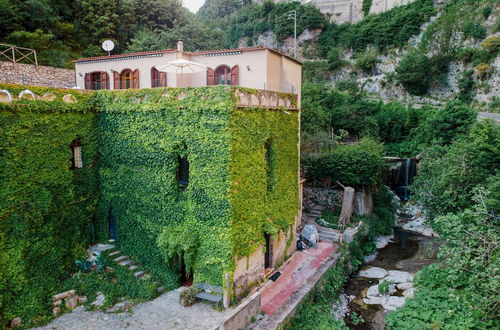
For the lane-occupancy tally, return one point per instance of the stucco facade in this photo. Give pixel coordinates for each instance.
(259, 67)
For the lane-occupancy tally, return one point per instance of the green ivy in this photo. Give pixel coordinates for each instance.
(46, 209)
(131, 141)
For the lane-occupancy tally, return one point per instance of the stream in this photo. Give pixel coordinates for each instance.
(407, 252)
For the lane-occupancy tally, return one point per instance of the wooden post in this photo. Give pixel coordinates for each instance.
(347, 206)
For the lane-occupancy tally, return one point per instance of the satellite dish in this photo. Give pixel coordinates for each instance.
(108, 45)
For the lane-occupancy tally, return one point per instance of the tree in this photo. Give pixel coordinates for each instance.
(413, 72)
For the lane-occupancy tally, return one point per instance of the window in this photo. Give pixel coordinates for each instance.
(76, 151)
(223, 75)
(158, 78)
(269, 165)
(126, 79)
(183, 172)
(97, 80)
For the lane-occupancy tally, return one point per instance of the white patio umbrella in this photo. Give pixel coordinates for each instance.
(180, 66)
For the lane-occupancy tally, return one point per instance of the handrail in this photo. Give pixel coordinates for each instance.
(10, 52)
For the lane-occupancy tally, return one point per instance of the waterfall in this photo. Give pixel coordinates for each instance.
(407, 173)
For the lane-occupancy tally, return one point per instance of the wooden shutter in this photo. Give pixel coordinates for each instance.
(105, 80)
(235, 72)
(163, 79)
(210, 77)
(87, 81)
(135, 79)
(116, 80)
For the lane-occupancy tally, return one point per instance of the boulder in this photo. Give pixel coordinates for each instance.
(392, 302)
(409, 293)
(373, 291)
(382, 241)
(16, 322)
(71, 302)
(397, 276)
(404, 286)
(99, 300)
(56, 311)
(373, 272)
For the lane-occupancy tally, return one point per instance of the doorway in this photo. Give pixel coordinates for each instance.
(186, 278)
(268, 255)
(111, 225)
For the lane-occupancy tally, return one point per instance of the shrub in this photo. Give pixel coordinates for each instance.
(188, 296)
(384, 286)
(491, 44)
(335, 58)
(482, 70)
(474, 30)
(486, 11)
(367, 4)
(352, 165)
(466, 86)
(413, 72)
(367, 60)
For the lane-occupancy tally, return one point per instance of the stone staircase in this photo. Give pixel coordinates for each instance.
(313, 213)
(123, 261)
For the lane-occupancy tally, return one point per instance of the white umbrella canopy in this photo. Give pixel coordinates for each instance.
(180, 66)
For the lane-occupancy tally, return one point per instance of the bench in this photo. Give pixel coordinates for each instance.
(209, 292)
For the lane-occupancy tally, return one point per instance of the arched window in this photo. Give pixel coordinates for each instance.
(223, 75)
(158, 78)
(126, 79)
(97, 80)
(76, 153)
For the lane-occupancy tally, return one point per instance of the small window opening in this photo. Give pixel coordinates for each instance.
(76, 150)
(183, 172)
(269, 164)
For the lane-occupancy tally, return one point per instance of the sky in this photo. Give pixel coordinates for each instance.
(193, 5)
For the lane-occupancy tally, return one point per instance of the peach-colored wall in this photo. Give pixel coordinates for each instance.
(261, 69)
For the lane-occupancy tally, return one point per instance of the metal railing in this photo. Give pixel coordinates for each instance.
(16, 54)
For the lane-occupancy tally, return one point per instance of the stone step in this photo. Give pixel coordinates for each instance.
(125, 262)
(133, 267)
(139, 274)
(114, 253)
(120, 258)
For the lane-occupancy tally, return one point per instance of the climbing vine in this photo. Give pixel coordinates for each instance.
(46, 208)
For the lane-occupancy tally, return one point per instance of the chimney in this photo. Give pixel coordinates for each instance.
(180, 45)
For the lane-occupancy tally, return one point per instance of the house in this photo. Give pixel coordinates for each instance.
(195, 184)
(257, 67)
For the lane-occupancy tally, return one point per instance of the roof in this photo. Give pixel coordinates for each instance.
(119, 56)
(163, 51)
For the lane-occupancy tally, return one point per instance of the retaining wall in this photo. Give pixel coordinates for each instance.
(37, 75)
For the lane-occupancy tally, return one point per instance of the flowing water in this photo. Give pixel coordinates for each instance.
(407, 252)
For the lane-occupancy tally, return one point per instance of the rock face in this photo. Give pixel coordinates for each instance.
(419, 226)
(99, 300)
(374, 272)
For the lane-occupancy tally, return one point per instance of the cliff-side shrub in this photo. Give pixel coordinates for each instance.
(413, 72)
(473, 30)
(367, 60)
(491, 44)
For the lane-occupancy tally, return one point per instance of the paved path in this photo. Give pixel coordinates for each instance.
(302, 267)
(164, 312)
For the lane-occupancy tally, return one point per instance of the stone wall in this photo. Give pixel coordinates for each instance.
(37, 75)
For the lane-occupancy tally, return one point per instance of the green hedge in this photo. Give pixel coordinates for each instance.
(360, 164)
(46, 208)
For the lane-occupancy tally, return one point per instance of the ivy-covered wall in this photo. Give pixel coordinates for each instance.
(260, 206)
(131, 142)
(46, 208)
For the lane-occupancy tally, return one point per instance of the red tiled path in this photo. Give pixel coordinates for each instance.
(302, 266)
